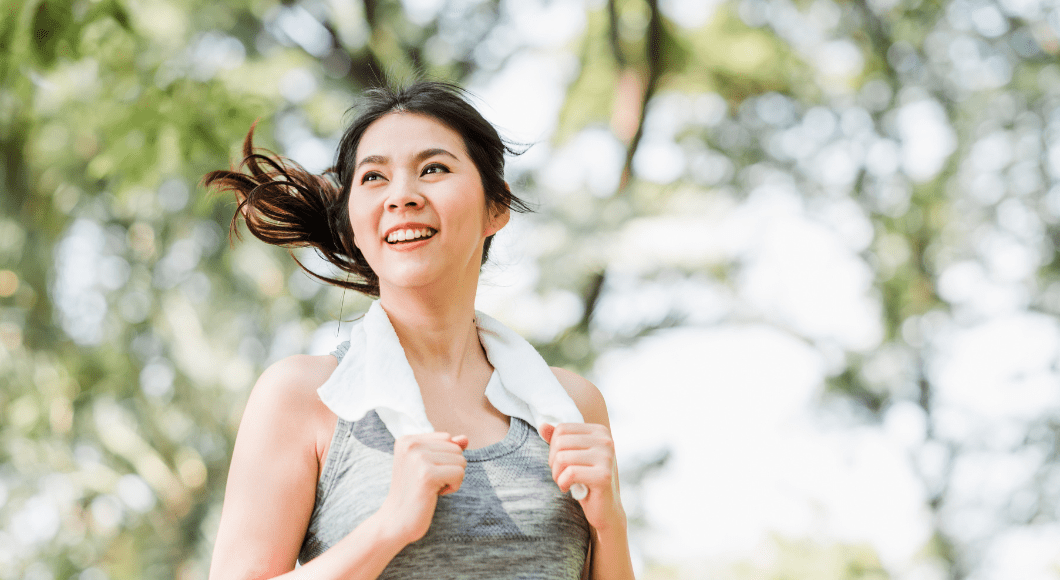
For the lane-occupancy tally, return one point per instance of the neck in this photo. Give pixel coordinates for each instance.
(436, 326)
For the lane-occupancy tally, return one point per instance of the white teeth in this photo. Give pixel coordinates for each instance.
(410, 234)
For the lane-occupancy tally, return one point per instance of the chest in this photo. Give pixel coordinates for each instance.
(508, 512)
(465, 411)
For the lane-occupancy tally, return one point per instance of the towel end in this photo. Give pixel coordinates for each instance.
(578, 491)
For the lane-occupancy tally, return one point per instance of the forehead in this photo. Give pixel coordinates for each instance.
(401, 132)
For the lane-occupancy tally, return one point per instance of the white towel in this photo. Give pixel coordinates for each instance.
(375, 374)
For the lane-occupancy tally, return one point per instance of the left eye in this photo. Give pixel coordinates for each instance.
(435, 168)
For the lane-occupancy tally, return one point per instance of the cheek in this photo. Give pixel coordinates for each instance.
(467, 223)
(359, 225)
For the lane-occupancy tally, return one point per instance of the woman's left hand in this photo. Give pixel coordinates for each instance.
(585, 453)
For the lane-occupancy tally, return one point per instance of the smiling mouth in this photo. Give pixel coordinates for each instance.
(410, 235)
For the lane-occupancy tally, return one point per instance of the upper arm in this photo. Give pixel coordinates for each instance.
(585, 395)
(272, 481)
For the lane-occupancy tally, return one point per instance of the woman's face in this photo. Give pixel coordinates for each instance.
(417, 207)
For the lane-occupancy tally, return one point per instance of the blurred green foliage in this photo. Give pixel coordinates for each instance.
(130, 332)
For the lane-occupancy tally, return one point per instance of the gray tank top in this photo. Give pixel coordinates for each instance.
(508, 520)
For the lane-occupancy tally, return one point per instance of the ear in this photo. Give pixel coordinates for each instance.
(498, 219)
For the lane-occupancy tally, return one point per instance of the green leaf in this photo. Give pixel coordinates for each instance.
(51, 28)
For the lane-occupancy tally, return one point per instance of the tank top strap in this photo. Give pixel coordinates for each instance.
(341, 350)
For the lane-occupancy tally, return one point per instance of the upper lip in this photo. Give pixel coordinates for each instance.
(408, 226)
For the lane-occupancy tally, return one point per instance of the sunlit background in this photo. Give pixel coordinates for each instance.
(807, 249)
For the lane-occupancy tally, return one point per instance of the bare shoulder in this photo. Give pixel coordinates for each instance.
(285, 395)
(285, 421)
(295, 376)
(585, 395)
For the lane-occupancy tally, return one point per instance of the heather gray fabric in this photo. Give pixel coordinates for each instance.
(508, 520)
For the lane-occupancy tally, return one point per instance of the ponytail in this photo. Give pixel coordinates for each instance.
(285, 205)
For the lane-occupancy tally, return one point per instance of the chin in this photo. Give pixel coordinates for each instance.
(416, 278)
(409, 279)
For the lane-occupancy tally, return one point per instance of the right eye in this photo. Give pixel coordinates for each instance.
(371, 176)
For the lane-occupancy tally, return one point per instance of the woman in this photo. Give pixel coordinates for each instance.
(464, 489)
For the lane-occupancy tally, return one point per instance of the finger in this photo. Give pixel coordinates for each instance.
(450, 478)
(448, 444)
(579, 427)
(586, 475)
(562, 441)
(577, 440)
(445, 453)
(410, 442)
(450, 456)
(584, 430)
(461, 440)
(552, 434)
(546, 431)
(441, 446)
(570, 457)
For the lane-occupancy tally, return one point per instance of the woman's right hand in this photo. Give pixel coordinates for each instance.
(425, 466)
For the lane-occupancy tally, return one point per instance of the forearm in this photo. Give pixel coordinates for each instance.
(610, 557)
(362, 554)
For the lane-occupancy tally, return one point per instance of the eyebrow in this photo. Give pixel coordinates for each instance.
(418, 158)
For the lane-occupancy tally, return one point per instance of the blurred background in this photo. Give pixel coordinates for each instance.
(808, 249)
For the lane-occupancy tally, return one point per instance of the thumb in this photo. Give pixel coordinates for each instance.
(460, 440)
(546, 432)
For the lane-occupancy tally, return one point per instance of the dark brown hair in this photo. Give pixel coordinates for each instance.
(285, 205)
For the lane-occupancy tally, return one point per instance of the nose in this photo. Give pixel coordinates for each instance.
(404, 194)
